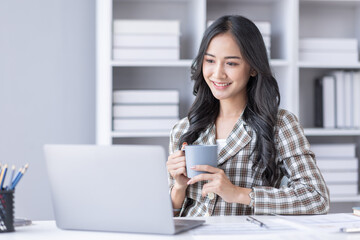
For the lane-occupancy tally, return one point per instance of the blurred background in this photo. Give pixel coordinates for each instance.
(47, 89)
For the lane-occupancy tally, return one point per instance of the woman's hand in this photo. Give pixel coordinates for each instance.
(176, 166)
(218, 183)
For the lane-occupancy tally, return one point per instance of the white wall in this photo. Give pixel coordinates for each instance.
(47, 88)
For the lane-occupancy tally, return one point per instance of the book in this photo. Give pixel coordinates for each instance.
(341, 150)
(337, 164)
(340, 177)
(356, 211)
(340, 98)
(356, 99)
(267, 42)
(128, 111)
(144, 124)
(328, 57)
(124, 26)
(319, 110)
(348, 99)
(146, 53)
(325, 104)
(329, 44)
(146, 97)
(148, 40)
(263, 26)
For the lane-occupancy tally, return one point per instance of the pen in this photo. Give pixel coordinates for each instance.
(350, 230)
(254, 220)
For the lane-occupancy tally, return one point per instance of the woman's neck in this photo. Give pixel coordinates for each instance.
(231, 109)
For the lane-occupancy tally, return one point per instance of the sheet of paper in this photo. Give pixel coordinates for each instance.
(330, 223)
(241, 227)
(279, 227)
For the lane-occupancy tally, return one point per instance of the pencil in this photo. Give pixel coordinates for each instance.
(16, 181)
(2, 176)
(16, 177)
(12, 174)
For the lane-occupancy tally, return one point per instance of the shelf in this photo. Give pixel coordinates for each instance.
(279, 63)
(326, 65)
(179, 63)
(345, 199)
(331, 132)
(349, 3)
(141, 134)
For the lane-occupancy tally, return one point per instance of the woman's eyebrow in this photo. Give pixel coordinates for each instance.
(232, 57)
(228, 57)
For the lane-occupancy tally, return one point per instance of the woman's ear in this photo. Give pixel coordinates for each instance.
(253, 73)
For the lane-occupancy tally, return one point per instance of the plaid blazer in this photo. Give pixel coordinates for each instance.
(305, 192)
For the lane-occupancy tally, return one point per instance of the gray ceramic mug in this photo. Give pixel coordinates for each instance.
(199, 155)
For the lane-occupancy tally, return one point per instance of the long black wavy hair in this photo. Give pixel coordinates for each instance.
(262, 91)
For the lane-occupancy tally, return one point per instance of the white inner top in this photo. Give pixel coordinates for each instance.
(220, 143)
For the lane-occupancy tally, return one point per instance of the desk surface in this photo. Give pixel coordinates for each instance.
(297, 227)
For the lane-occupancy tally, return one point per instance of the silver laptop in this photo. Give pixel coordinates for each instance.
(121, 188)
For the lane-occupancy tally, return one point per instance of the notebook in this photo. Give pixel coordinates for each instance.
(120, 188)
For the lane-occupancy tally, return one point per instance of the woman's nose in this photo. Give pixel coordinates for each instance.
(219, 71)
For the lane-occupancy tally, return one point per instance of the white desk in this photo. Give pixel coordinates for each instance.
(47, 230)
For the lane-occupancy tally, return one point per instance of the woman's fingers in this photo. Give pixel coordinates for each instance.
(179, 161)
(202, 177)
(206, 168)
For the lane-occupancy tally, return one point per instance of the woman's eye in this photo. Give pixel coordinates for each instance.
(232, 64)
(209, 61)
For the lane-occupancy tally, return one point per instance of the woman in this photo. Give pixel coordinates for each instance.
(237, 107)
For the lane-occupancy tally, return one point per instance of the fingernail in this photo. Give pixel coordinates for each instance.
(183, 146)
(189, 182)
(192, 167)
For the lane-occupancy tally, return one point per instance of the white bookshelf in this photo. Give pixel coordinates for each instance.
(290, 20)
(179, 63)
(331, 132)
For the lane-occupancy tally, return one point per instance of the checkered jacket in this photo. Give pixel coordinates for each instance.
(305, 192)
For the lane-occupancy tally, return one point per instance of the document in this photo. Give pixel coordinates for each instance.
(330, 223)
(241, 226)
(302, 227)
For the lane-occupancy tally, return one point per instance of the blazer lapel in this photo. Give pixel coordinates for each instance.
(207, 137)
(237, 140)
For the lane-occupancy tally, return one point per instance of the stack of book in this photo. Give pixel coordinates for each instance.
(339, 167)
(265, 30)
(329, 50)
(337, 100)
(145, 110)
(146, 40)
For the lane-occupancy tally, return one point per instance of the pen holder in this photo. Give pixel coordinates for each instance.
(7, 211)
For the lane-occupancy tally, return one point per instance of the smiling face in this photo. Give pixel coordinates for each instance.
(225, 70)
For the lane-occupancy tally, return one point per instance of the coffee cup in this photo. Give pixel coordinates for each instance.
(199, 155)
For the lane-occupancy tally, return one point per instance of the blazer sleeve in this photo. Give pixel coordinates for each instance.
(306, 191)
(177, 131)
